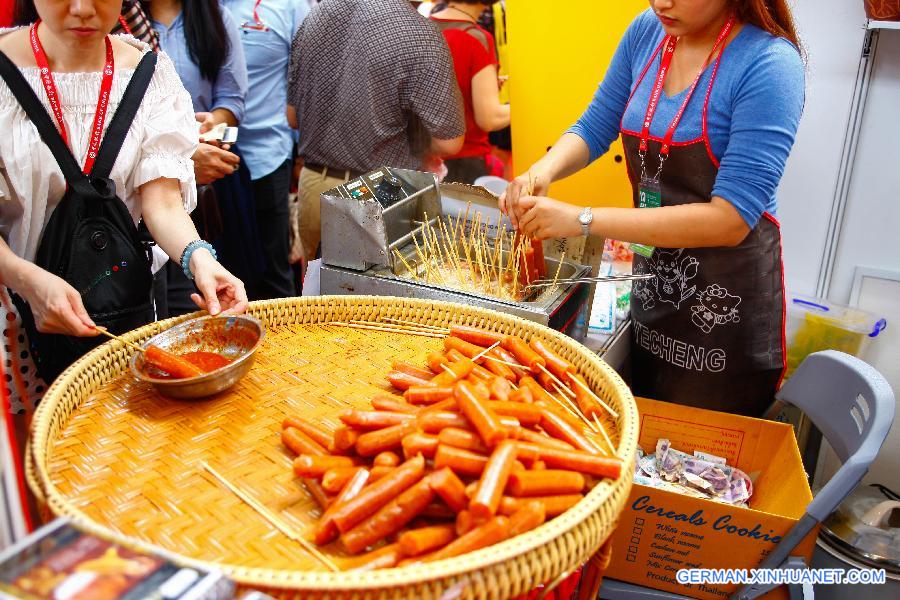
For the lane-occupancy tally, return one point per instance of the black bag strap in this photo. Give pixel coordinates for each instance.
(38, 115)
(121, 121)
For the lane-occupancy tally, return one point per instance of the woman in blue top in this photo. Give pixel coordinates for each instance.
(707, 95)
(203, 41)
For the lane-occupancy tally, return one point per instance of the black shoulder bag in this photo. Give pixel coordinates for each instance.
(90, 240)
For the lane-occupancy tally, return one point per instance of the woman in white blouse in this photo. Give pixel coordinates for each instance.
(153, 174)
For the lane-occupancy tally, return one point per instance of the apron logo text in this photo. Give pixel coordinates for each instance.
(679, 353)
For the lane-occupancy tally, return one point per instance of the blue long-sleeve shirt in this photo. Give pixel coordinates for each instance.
(229, 88)
(753, 114)
(265, 137)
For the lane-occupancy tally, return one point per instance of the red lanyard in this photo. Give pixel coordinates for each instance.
(664, 64)
(40, 57)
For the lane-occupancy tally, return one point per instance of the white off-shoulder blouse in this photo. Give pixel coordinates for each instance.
(160, 142)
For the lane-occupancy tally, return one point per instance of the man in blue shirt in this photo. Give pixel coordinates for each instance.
(266, 30)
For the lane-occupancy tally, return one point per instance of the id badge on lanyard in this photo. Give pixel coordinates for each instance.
(649, 188)
(649, 196)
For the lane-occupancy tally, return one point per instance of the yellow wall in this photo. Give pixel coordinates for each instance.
(558, 52)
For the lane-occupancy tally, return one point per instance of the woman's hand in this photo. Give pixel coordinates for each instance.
(545, 218)
(220, 291)
(520, 187)
(56, 305)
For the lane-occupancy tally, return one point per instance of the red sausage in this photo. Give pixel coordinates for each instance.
(419, 443)
(386, 459)
(373, 442)
(404, 381)
(549, 482)
(493, 480)
(474, 335)
(553, 505)
(575, 460)
(428, 394)
(326, 530)
(556, 364)
(310, 465)
(462, 438)
(558, 427)
(488, 534)
(405, 367)
(434, 421)
(317, 432)
(483, 418)
(451, 490)
(390, 518)
(334, 479)
(299, 443)
(379, 493)
(425, 539)
(344, 439)
(526, 435)
(529, 516)
(372, 419)
(523, 353)
(383, 558)
(527, 414)
(461, 462)
(390, 403)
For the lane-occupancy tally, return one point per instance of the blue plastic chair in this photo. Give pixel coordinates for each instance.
(853, 406)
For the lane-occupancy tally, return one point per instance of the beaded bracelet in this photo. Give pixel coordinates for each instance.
(189, 250)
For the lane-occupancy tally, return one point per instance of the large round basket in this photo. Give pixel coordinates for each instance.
(126, 463)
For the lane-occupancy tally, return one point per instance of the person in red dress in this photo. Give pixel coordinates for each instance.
(475, 62)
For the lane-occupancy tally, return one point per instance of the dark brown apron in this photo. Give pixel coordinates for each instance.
(709, 329)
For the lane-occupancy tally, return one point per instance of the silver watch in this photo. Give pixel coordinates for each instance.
(586, 217)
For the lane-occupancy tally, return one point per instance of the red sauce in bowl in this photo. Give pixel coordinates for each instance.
(205, 361)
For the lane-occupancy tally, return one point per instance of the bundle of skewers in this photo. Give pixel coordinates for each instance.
(465, 254)
(485, 441)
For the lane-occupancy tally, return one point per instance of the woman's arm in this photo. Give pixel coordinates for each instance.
(700, 225)
(56, 305)
(173, 230)
(490, 114)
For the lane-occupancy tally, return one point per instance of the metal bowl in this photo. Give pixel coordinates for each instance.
(234, 337)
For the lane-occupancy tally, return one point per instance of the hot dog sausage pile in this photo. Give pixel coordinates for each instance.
(472, 453)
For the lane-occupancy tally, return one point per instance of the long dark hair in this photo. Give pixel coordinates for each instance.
(24, 12)
(207, 41)
(773, 16)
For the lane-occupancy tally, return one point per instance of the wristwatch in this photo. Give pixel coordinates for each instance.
(586, 217)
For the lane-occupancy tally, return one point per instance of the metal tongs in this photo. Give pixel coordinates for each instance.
(602, 279)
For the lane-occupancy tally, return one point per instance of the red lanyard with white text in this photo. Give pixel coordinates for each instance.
(664, 64)
(40, 57)
(650, 189)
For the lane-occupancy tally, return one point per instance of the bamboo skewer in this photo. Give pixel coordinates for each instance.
(562, 257)
(485, 351)
(406, 264)
(375, 327)
(596, 398)
(273, 519)
(604, 434)
(436, 328)
(565, 389)
(105, 332)
(574, 409)
(507, 363)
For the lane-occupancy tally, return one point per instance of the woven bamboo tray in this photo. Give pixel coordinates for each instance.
(107, 451)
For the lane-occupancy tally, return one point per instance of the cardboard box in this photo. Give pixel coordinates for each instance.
(660, 532)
